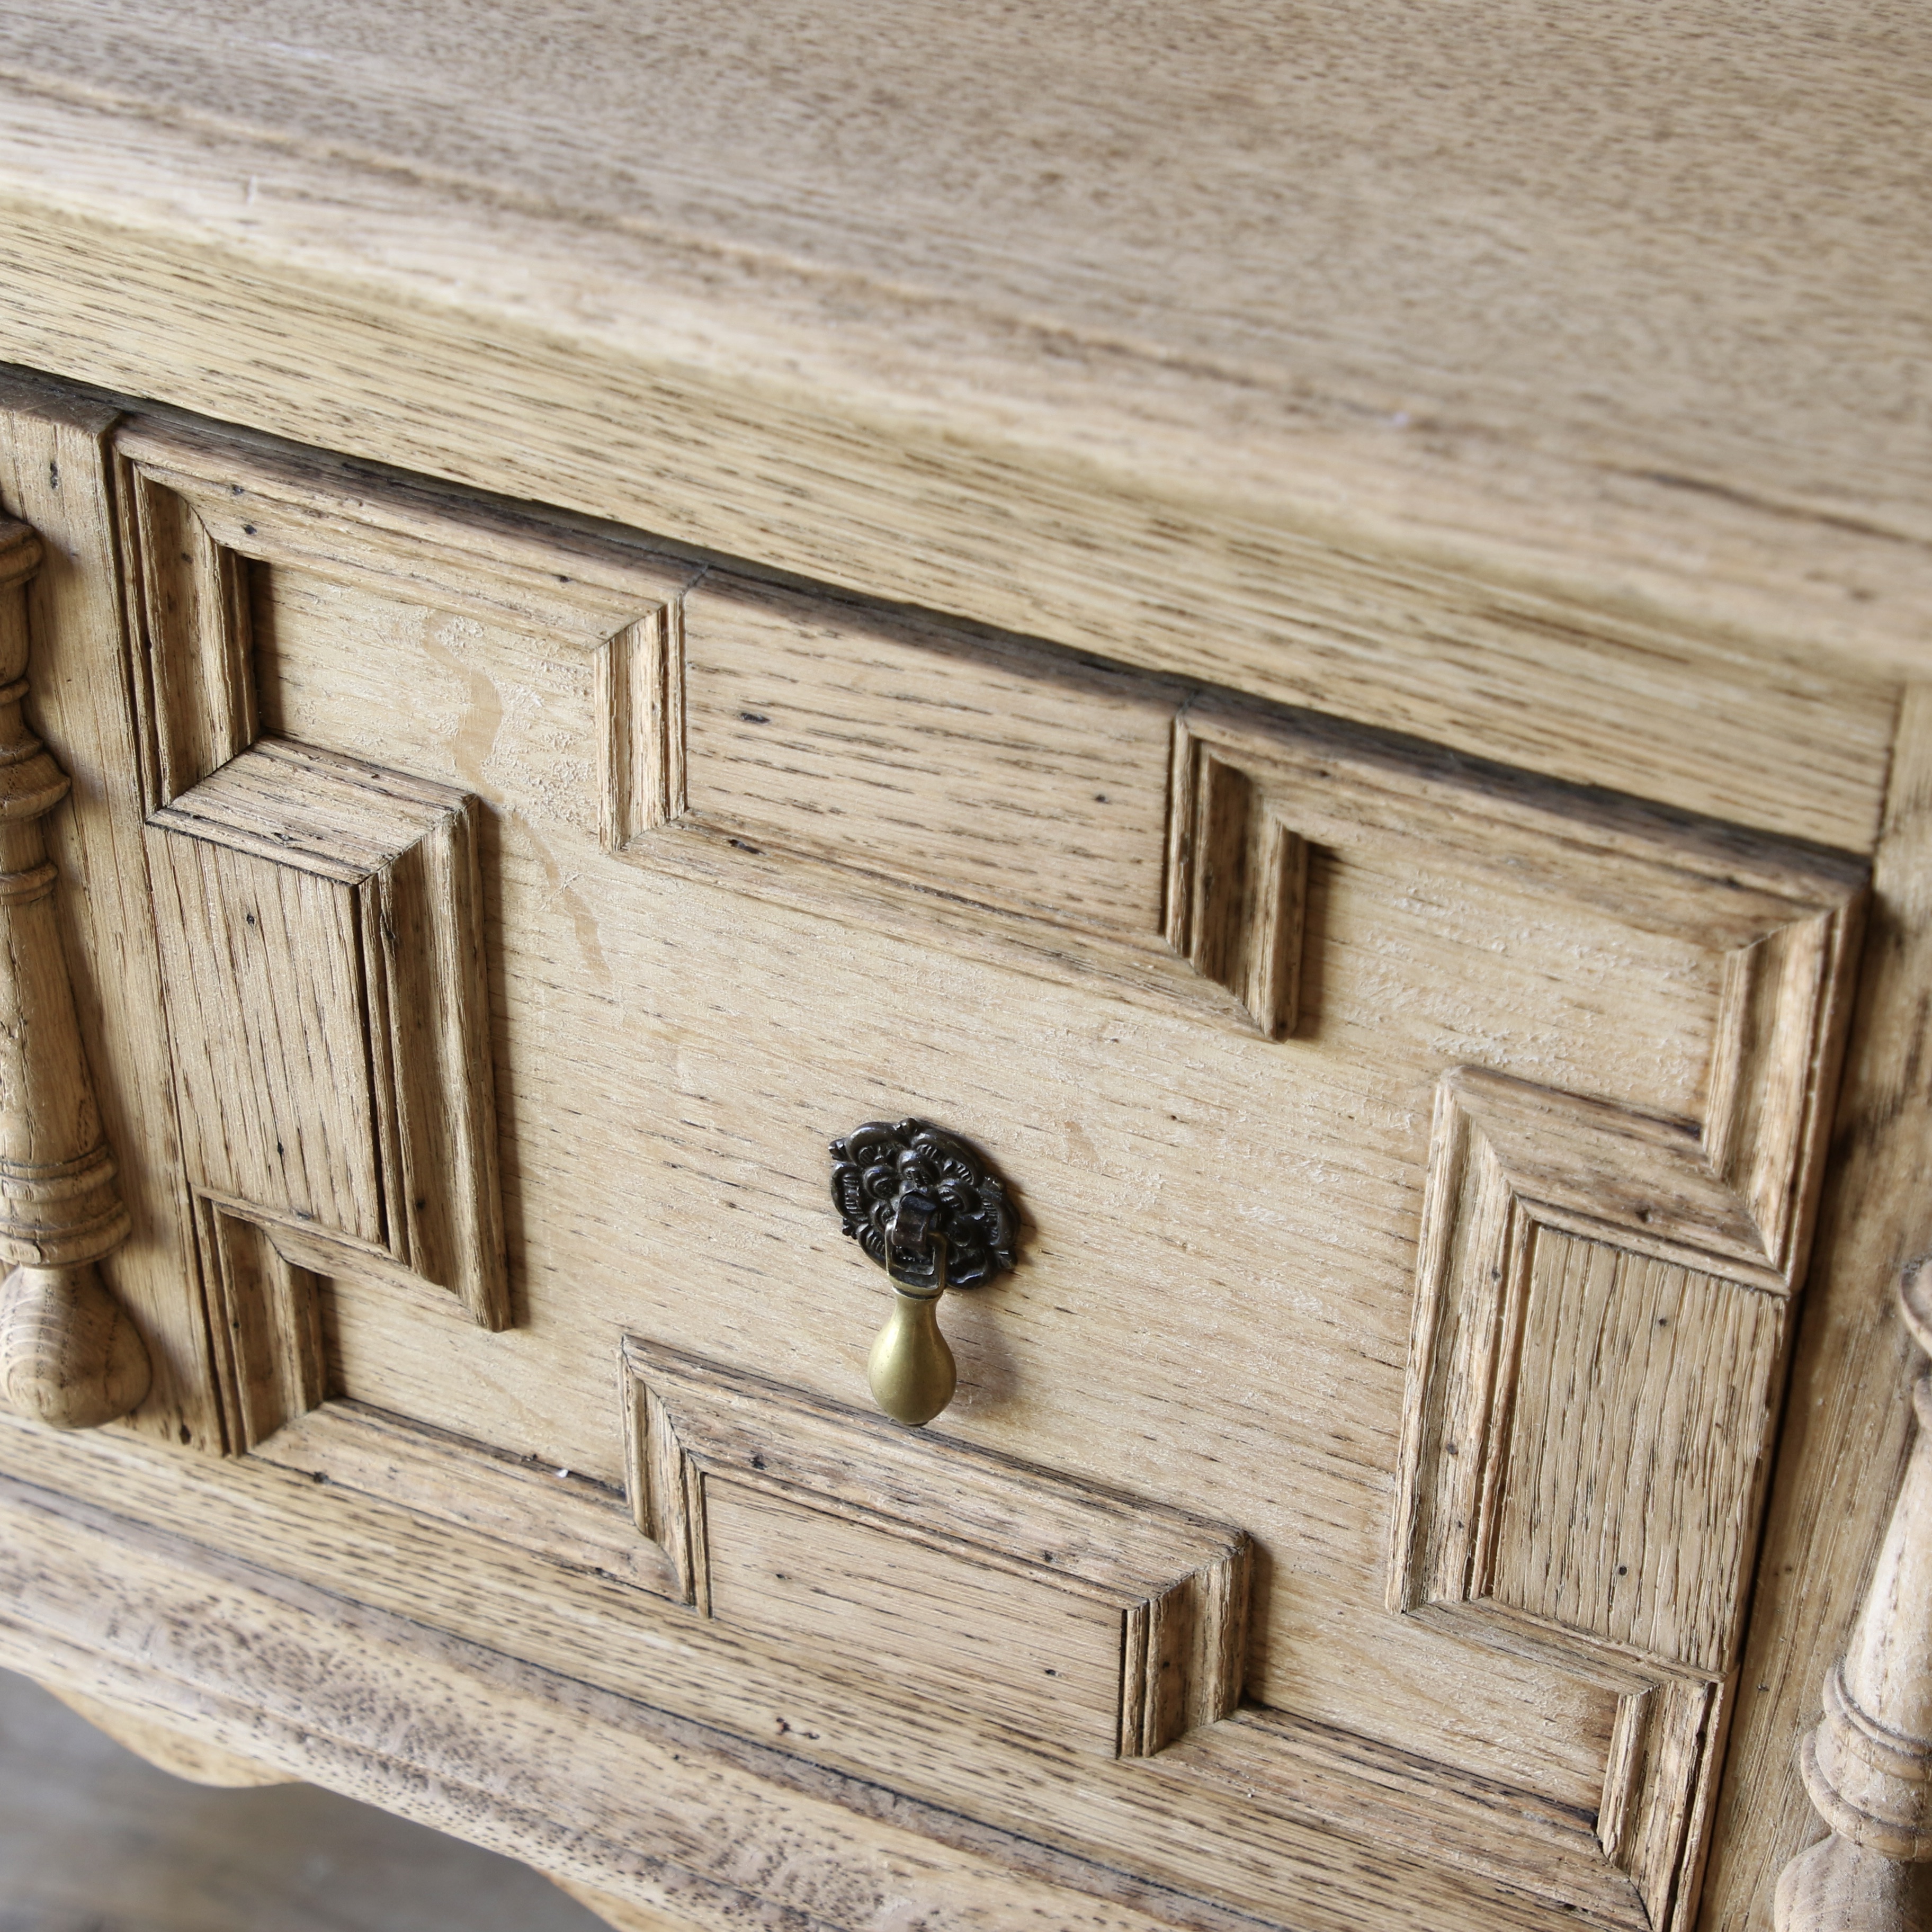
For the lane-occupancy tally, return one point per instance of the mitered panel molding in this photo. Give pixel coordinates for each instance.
(1591, 1398)
(1599, 1337)
(265, 1320)
(1121, 1624)
(1596, 1329)
(1237, 884)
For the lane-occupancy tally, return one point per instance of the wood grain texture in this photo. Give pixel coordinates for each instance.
(1636, 1458)
(1559, 1234)
(58, 1202)
(641, 701)
(989, 793)
(1113, 1622)
(1237, 886)
(265, 1323)
(1592, 1388)
(69, 1355)
(1845, 1435)
(1364, 294)
(1307, 1827)
(665, 1787)
(984, 768)
(669, 1049)
(563, 1517)
(188, 608)
(321, 939)
(1600, 1329)
(56, 471)
(944, 772)
(1838, 1883)
(619, 1913)
(1460, 908)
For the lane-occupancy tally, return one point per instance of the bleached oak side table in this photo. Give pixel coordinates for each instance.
(1223, 716)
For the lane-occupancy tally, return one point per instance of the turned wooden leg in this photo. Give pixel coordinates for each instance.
(69, 1357)
(1868, 1764)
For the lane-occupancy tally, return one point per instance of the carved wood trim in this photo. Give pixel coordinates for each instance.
(1237, 885)
(1603, 1306)
(199, 509)
(265, 1320)
(1562, 1237)
(69, 1357)
(194, 673)
(1051, 1567)
(1592, 1383)
(321, 924)
(1868, 1765)
(640, 703)
(559, 1515)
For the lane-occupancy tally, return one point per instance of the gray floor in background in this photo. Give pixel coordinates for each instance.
(93, 1839)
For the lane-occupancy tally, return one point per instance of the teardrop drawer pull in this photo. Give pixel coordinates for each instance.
(923, 1205)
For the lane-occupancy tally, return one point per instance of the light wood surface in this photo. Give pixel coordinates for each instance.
(658, 1183)
(1692, 968)
(322, 945)
(90, 1835)
(620, 1913)
(1868, 1764)
(1186, 606)
(1554, 295)
(639, 1801)
(1846, 1433)
(1045, 1601)
(178, 1753)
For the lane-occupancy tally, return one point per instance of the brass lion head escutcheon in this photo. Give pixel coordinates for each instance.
(926, 1207)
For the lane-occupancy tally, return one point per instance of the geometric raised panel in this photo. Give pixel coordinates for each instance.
(1111, 1624)
(321, 930)
(1255, 789)
(1642, 1405)
(265, 1321)
(1597, 1329)
(1237, 885)
(1593, 1376)
(1606, 1291)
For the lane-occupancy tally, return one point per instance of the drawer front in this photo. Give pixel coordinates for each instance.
(1415, 1162)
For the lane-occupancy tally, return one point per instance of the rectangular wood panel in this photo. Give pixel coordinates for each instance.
(320, 922)
(907, 1554)
(947, 1625)
(1590, 1385)
(269, 996)
(1641, 1396)
(978, 766)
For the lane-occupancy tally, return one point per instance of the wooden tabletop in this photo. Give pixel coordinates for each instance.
(1629, 302)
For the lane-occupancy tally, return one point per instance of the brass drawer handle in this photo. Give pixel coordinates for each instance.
(924, 1206)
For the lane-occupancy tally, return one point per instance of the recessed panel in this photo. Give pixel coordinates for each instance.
(1119, 1624)
(940, 1623)
(984, 768)
(1634, 1456)
(267, 1004)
